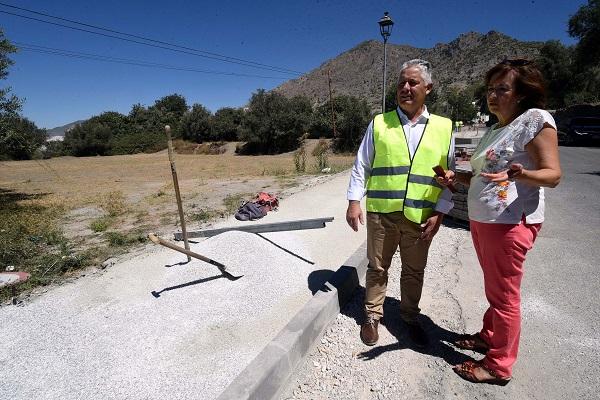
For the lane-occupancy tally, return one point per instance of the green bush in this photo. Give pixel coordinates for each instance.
(275, 124)
(100, 224)
(123, 239)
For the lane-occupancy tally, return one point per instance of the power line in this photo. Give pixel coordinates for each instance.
(127, 61)
(160, 44)
(223, 57)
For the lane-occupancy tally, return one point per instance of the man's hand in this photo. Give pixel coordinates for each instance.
(431, 226)
(354, 215)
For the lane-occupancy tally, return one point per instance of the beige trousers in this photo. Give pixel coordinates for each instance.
(385, 233)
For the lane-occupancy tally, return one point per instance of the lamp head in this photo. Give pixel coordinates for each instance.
(385, 26)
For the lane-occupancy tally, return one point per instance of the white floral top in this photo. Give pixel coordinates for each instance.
(506, 202)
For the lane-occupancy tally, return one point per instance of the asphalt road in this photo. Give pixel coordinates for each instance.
(560, 338)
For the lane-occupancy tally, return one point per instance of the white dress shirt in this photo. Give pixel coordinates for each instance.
(366, 154)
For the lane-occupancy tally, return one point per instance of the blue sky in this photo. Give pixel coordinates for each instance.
(298, 35)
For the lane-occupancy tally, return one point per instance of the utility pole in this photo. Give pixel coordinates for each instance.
(331, 102)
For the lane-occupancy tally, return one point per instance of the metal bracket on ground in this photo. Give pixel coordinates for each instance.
(314, 223)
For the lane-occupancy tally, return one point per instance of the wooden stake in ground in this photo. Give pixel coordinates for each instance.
(177, 194)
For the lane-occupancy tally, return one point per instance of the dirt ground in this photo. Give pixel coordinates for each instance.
(134, 194)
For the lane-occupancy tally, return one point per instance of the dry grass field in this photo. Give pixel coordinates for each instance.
(64, 214)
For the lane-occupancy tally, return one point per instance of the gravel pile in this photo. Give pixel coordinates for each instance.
(151, 328)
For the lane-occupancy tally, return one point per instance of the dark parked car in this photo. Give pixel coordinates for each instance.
(584, 130)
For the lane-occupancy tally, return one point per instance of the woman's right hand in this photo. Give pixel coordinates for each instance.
(448, 179)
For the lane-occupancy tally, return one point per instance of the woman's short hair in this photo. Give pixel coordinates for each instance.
(529, 81)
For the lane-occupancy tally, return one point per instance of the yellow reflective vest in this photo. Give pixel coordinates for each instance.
(399, 183)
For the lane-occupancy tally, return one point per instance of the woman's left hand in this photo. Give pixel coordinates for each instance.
(514, 171)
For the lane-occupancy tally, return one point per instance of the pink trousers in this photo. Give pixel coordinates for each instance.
(501, 249)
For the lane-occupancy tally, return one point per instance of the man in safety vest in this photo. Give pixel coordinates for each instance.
(405, 204)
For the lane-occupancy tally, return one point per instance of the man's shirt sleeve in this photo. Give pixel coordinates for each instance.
(445, 203)
(361, 171)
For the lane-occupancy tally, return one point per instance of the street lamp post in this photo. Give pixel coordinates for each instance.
(385, 28)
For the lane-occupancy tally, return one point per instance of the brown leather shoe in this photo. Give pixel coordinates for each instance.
(368, 331)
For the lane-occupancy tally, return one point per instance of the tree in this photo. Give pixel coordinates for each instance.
(585, 25)
(173, 103)
(321, 124)
(90, 138)
(352, 118)
(555, 64)
(390, 98)
(20, 137)
(117, 123)
(9, 104)
(587, 87)
(275, 124)
(302, 109)
(196, 124)
(460, 105)
(138, 117)
(227, 123)
(167, 110)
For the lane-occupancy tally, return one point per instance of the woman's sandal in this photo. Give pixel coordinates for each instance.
(472, 342)
(468, 370)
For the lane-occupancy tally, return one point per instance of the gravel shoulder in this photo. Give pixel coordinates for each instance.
(151, 326)
(341, 367)
(559, 352)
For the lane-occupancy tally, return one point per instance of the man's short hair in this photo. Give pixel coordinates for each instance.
(422, 65)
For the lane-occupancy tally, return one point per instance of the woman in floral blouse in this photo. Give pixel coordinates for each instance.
(514, 160)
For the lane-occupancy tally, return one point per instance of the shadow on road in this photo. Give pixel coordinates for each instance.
(439, 337)
(317, 279)
(455, 223)
(196, 282)
(597, 173)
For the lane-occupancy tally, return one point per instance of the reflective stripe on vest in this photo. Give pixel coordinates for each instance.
(399, 183)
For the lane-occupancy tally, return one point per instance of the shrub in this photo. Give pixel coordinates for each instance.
(300, 158)
(113, 203)
(321, 154)
(100, 224)
(122, 239)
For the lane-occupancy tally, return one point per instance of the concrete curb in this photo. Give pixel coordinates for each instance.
(268, 373)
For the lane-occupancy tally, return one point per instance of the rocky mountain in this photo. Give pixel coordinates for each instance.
(358, 71)
(58, 133)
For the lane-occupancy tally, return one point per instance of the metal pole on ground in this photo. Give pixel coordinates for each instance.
(177, 194)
